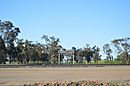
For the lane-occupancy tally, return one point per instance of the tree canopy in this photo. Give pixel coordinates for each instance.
(24, 51)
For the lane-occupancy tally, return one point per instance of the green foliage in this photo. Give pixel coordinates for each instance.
(9, 34)
(2, 51)
(14, 50)
(52, 48)
(123, 47)
(107, 50)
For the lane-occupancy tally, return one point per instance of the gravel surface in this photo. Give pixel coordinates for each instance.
(27, 75)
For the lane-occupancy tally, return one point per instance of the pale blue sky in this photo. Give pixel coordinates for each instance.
(75, 22)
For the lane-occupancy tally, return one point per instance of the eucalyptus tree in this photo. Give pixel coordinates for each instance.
(89, 54)
(107, 50)
(52, 47)
(96, 56)
(80, 55)
(85, 54)
(2, 51)
(44, 53)
(20, 51)
(123, 47)
(40, 52)
(9, 34)
(25, 51)
(28, 51)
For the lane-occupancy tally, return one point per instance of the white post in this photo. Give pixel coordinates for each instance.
(73, 57)
(59, 59)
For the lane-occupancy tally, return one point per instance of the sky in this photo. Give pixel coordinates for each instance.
(74, 22)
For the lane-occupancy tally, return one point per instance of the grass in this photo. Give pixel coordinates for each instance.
(85, 62)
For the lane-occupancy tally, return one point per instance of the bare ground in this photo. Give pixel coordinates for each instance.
(20, 76)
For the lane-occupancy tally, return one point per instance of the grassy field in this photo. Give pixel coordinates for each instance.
(20, 76)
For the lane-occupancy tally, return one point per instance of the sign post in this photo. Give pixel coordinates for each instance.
(65, 52)
(60, 52)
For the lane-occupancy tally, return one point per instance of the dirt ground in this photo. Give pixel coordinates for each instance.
(20, 76)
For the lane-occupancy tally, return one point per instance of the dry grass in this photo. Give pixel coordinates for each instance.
(20, 76)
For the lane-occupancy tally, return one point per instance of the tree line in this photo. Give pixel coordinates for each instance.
(20, 51)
